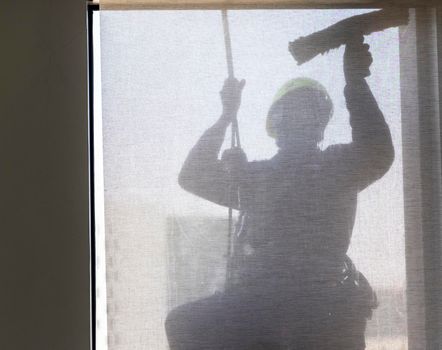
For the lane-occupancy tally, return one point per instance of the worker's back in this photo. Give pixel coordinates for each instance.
(299, 216)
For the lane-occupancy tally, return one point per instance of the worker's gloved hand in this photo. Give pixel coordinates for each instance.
(357, 60)
(231, 98)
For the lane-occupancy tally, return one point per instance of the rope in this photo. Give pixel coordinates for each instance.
(228, 44)
(235, 139)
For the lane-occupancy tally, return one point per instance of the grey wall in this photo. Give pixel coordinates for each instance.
(44, 296)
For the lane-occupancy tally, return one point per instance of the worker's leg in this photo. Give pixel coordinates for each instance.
(346, 333)
(222, 322)
(325, 321)
(197, 325)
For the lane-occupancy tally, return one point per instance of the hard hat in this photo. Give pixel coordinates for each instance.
(274, 119)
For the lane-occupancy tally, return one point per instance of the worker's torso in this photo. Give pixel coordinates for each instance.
(299, 215)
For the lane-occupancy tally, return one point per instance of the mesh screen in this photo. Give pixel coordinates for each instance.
(315, 257)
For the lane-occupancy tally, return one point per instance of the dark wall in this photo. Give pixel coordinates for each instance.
(44, 277)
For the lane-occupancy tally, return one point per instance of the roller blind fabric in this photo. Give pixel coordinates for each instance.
(334, 194)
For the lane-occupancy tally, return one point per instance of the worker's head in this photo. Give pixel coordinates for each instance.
(299, 114)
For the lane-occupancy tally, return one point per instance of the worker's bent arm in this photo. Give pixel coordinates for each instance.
(371, 153)
(203, 173)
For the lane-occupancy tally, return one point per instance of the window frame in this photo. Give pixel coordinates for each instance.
(421, 96)
(90, 9)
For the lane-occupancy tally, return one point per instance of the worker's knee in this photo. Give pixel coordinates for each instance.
(175, 321)
(195, 325)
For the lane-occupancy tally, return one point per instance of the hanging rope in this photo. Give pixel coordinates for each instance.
(235, 140)
(228, 44)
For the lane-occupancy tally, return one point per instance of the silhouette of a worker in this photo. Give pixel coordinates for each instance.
(293, 286)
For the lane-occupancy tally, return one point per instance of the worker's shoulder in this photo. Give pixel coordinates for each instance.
(342, 155)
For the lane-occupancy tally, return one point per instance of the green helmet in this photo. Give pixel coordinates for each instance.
(274, 120)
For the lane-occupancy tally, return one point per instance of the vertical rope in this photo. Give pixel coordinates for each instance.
(228, 44)
(235, 140)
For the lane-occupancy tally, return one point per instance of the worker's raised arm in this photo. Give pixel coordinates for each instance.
(371, 153)
(203, 173)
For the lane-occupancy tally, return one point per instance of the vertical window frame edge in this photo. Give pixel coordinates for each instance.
(421, 101)
(90, 9)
